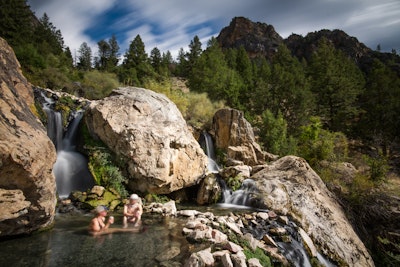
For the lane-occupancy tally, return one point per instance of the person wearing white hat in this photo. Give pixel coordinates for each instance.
(98, 223)
(133, 211)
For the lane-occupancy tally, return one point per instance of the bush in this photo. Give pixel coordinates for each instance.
(97, 85)
(317, 144)
(201, 110)
(102, 165)
(379, 167)
(273, 132)
(196, 108)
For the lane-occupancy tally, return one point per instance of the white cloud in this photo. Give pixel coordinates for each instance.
(172, 24)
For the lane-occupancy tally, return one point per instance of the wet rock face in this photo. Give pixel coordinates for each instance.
(26, 155)
(148, 131)
(290, 186)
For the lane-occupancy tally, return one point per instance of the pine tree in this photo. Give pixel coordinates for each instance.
(289, 91)
(381, 105)
(85, 57)
(155, 60)
(337, 83)
(136, 64)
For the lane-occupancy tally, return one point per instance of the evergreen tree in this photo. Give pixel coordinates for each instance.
(194, 53)
(108, 53)
(289, 91)
(273, 134)
(136, 64)
(261, 89)
(85, 57)
(48, 37)
(16, 22)
(337, 83)
(381, 105)
(182, 64)
(245, 69)
(167, 63)
(103, 55)
(212, 75)
(114, 54)
(155, 60)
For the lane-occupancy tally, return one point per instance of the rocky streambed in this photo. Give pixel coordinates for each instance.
(207, 236)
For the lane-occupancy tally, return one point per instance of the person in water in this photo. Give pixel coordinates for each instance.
(98, 223)
(133, 211)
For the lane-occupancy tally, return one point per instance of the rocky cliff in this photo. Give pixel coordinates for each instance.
(261, 40)
(27, 185)
(258, 39)
(148, 131)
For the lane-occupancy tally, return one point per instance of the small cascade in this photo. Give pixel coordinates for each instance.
(207, 144)
(70, 169)
(245, 196)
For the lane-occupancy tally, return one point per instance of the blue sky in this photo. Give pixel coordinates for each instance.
(172, 24)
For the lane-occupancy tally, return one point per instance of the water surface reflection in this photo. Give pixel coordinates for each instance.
(68, 244)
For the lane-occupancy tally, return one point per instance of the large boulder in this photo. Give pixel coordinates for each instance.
(148, 131)
(290, 186)
(235, 135)
(27, 185)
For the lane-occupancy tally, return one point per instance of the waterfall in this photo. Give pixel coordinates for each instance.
(70, 169)
(245, 196)
(207, 144)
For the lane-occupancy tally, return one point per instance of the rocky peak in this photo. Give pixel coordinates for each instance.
(259, 39)
(303, 47)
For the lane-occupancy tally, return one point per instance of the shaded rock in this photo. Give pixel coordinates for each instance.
(259, 39)
(239, 259)
(289, 185)
(148, 131)
(209, 191)
(242, 172)
(23, 144)
(234, 134)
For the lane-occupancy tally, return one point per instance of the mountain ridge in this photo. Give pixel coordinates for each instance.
(261, 40)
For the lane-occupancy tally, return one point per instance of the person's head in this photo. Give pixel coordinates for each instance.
(134, 198)
(101, 211)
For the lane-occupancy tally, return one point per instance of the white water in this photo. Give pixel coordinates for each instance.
(208, 146)
(70, 169)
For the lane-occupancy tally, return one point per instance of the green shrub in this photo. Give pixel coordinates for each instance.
(201, 110)
(317, 144)
(273, 133)
(258, 254)
(97, 85)
(379, 167)
(197, 109)
(102, 165)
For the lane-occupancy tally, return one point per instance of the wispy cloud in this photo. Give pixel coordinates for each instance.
(172, 24)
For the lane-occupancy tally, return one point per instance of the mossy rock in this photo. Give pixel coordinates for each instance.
(93, 203)
(114, 204)
(109, 196)
(78, 196)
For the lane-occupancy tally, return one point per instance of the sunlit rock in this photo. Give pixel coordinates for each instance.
(148, 132)
(289, 185)
(27, 155)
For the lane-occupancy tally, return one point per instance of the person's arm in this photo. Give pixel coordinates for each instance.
(94, 225)
(126, 213)
(109, 222)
